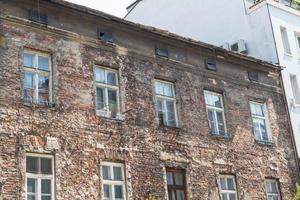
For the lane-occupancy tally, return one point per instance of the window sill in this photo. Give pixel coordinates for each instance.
(38, 104)
(111, 119)
(266, 143)
(226, 137)
(165, 127)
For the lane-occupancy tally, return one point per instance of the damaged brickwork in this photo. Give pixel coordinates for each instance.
(80, 140)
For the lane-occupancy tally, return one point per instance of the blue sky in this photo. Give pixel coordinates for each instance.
(114, 7)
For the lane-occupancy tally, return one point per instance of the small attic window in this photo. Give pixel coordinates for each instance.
(37, 16)
(253, 76)
(105, 36)
(211, 64)
(162, 52)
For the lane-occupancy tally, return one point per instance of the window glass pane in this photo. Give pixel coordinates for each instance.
(28, 60)
(230, 184)
(213, 100)
(221, 125)
(212, 121)
(223, 183)
(32, 164)
(46, 186)
(171, 113)
(46, 166)
(29, 86)
(178, 178)
(224, 197)
(31, 185)
(111, 78)
(106, 172)
(43, 88)
(100, 75)
(118, 191)
(117, 173)
(100, 98)
(160, 112)
(43, 82)
(170, 178)
(106, 191)
(112, 100)
(232, 197)
(29, 80)
(43, 63)
(171, 195)
(159, 89)
(263, 130)
(168, 90)
(180, 195)
(31, 197)
(46, 197)
(257, 109)
(256, 129)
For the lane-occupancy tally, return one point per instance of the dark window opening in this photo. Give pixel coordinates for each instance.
(37, 16)
(105, 36)
(253, 76)
(211, 65)
(162, 52)
(176, 184)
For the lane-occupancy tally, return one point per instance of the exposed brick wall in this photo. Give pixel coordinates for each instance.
(84, 140)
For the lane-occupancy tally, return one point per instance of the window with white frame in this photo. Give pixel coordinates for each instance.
(295, 89)
(285, 40)
(260, 121)
(107, 93)
(39, 177)
(227, 187)
(272, 189)
(165, 103)
(113, 179)
(215, 112)
(298, 42)
(37, 78)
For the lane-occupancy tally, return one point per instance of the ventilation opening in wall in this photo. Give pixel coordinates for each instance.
(105, 36)
(37, 16)
(162, 52)
(211, 64)
(253, 76)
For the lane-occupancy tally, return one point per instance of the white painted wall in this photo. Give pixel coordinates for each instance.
(291, 22)
(221, 21)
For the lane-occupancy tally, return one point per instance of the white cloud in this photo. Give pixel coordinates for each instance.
(114, 7)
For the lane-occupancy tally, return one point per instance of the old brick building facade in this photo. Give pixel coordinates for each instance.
(92, 106)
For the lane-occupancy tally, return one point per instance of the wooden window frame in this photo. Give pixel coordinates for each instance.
(164, 99)
(39, 176)
(215, 109)
(112, 183)
(36, 71)
(277, 187)
(226, 176)
(175, 187)
(106, 111)
(266, 120)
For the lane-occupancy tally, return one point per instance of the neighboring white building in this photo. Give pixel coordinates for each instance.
(269, 29)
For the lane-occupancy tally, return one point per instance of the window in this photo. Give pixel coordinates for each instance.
(165, 103)
(215, 112)
(253, 76)
(227, 187)
(211, 64)
(260, 121)
(162, 52)
(298, 41)
(272, 189)
(176, 184)
(105, 36)
(114, 187)
(107, 93)
(37, 78)
(37, 16)
(285, 40)
(39, 177)
(295, 89)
